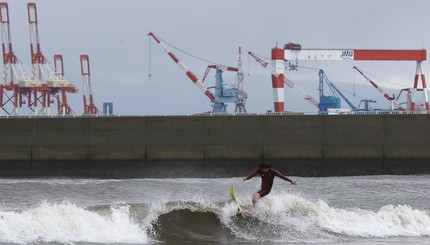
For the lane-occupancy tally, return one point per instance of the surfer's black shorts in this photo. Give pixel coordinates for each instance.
(264, 192)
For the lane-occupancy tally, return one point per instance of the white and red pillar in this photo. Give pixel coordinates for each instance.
(419, 73)
(278, 70)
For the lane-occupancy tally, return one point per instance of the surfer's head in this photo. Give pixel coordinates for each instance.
(264, 165)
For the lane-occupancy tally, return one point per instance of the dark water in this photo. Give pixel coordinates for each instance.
(335, 210)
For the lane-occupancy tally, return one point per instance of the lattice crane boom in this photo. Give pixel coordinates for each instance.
(258, 59)
(189, 73)
(380, 90)
(223, 68)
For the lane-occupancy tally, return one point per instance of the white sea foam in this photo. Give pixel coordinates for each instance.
(388, 221)
(67, 223)
(288, 217)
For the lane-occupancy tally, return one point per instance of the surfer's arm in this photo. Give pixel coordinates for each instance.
(251, 175)
(284, 177)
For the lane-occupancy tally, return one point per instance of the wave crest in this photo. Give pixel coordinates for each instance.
(279, 217)
(66, 222)
(286, 217)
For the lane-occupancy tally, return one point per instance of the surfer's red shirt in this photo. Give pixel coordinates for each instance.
(267, 180)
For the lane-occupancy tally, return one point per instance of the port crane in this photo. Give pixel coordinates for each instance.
(18, 86)
(329, 101)
(294, 52)
(89, 107)
(334, 101)
(52, 81)
(223, 94)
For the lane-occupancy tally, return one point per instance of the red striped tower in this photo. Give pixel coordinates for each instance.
(419, 73)
(278, 78)
(288, 82)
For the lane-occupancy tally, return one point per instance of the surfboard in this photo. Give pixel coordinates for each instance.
(233, 195)
(245, 211)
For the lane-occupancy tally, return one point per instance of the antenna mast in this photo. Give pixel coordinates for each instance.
(241, 95)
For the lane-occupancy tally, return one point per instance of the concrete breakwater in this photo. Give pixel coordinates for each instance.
(214, 146)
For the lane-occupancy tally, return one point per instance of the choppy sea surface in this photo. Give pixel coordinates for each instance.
(358, 210)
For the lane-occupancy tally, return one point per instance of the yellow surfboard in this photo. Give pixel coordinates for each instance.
(233, 195)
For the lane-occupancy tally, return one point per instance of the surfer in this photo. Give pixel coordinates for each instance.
(267, 175)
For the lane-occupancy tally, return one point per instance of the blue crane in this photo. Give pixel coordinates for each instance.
(333, 101)
(327, 101)
(223, 94)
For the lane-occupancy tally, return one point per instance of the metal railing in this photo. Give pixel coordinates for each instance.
(208, 114)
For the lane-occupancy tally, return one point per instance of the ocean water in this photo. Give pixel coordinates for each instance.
(358, 210)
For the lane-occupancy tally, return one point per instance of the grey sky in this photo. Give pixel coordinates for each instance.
(114, 34)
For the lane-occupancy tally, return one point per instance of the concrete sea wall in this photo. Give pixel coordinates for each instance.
(214, 146)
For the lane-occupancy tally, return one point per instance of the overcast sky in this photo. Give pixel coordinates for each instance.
(114, 34)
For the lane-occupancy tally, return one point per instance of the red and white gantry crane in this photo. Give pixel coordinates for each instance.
(294, 52)
(18, 86)
(53, 82)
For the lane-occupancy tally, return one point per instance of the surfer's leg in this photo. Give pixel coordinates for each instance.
(259, 194)
(255, 198)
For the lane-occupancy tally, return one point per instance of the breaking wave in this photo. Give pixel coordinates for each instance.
(295, 219)
(276, 218)
(66, 223)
